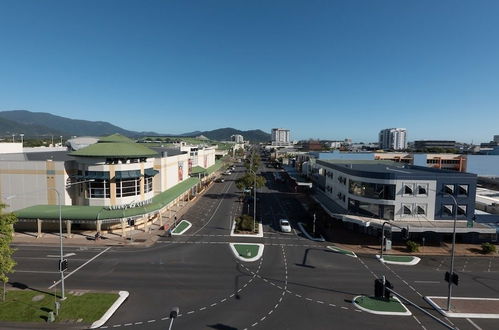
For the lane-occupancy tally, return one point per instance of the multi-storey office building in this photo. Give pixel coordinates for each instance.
(393, 139)
(393, 191)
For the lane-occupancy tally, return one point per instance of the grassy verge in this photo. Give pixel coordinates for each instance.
(20, 307)
(342, 251)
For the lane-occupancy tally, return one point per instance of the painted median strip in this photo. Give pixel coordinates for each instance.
(182, 227)
(342, 251)
(247, 252)
(399, 260)
(380, 306)
(307, 235)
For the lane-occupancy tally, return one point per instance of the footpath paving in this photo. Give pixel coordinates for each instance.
(466, 307)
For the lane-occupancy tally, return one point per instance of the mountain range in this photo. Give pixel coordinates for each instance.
(42, 124)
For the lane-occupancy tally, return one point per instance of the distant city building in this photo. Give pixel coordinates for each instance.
(422, 145)
(237, 138)
(393, 139)
(312, 145)
(496, 139)
(280, 137)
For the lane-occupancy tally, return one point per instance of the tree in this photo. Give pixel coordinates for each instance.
(6, 262)
(248, 180)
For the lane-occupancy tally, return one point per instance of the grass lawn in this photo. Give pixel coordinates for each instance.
(398, 258)
(181, 226)
(20, 307)
(380, 305)
(247, 250)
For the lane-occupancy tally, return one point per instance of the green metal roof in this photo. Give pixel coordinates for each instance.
(70, 212)
(115, 150)
(213, 168)
(115, 138)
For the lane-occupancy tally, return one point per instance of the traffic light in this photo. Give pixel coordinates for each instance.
(131, 222)
(380, 289)
(63, 265)
(454, 278)
(387, 293)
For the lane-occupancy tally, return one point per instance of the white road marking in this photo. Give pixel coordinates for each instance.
(81, 266)
(474, 324)
(35, 271)
(428, 282)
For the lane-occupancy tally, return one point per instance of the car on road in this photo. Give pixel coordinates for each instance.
(285, 226)
(222, 180)
(227, 173)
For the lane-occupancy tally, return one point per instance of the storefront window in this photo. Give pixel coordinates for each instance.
(99, 189)
(386, 212)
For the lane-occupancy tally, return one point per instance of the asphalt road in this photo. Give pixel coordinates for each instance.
(298, 284)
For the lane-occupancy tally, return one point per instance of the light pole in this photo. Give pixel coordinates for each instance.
(449, 297)
(22, 138)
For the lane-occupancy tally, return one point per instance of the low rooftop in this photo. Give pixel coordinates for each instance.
(389, 170)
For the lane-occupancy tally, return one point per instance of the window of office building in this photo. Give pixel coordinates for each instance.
(406, 209)
(449, 189)
(372, 190)
(462, 190)
(422, 189)
(408, 188)
(421, 209)
(386, 212)
(461, 210)
(448, 210)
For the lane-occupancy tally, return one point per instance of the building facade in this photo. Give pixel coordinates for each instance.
(393, 139)
(280, 137)
(237, 138)
(394, 191)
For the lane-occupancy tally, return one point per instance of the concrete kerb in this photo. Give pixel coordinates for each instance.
(406, 313)
(255, 258)
(260, 231)
(429, 299)
(414, 261)
(189, 225)
(342, 251)
(307, 235)
(114, 307)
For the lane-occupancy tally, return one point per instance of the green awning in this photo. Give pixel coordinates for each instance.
(134, 174)
(96, 175)
(150, 172)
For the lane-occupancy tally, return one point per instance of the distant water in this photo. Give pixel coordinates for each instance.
(482, 165)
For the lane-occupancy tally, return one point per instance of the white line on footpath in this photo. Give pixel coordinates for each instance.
(81, 266)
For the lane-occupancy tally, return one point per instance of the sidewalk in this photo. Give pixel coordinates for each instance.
(466, 307)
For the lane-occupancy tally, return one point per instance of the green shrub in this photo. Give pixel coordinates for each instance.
(412, 246)
(488, 248)
(244, 223)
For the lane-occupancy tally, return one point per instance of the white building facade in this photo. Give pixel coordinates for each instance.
(280, 137)
(393, 139)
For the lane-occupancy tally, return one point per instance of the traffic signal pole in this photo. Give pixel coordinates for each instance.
(404, 231)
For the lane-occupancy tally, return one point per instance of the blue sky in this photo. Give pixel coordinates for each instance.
(324, 69)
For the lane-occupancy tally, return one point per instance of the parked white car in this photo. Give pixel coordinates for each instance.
(285, 226)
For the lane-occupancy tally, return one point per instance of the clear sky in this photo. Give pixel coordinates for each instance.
(324, 69)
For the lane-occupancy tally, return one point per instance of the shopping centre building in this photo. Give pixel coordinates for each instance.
(103, 186)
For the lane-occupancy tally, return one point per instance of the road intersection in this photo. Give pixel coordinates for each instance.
(297, 283)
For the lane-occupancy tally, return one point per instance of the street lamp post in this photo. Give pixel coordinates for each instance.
(449, 296)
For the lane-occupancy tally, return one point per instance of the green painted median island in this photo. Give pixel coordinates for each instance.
(381, 306)
(398, 258)
(35, 306)
(247, 251)
(342, 251)
(181, 227)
